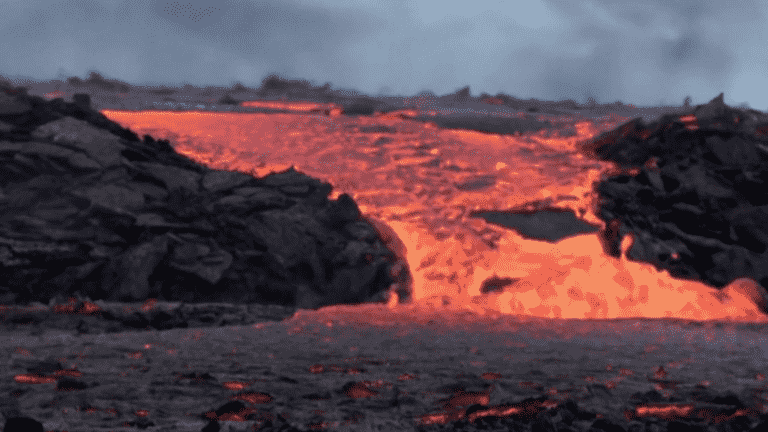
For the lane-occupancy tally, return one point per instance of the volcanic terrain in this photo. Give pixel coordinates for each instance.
(524, 310)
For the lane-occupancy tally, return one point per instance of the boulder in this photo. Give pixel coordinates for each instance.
(693, 191)
(88, 209)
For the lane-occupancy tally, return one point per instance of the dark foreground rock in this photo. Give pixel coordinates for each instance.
(698, 410)
(693, 190)
(701, 410)
(91, 211)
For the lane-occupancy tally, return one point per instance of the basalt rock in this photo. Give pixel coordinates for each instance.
(362, 106)
(88, 209)
(698, 410)
(693, 191)
(539, 220)
(462, 95)
(643, 412)
(228, 100)
(22, 424)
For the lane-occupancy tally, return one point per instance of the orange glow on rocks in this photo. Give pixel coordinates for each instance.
(309, 107)
(423, 184)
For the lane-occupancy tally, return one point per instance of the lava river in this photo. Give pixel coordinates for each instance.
(425, 183)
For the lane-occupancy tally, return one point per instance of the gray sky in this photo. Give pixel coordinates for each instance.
(644, 52)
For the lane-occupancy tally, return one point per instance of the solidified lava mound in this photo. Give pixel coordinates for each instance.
(90, 210)
(692, 189)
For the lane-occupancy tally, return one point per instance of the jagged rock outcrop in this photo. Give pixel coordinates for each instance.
(693, 190)
(88, 208)
(462, 95)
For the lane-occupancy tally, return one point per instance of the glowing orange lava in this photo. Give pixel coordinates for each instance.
(423, 182)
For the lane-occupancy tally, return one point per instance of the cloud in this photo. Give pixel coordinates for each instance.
(644, 52)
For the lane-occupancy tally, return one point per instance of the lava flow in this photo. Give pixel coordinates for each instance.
(425, 183)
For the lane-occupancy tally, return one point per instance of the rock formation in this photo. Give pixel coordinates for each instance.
(89, 209)
(462, 95)
(693, 190)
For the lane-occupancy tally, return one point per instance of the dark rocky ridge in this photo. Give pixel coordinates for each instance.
(89, 209)
(115, 94)
(459, 110)
(693, 190)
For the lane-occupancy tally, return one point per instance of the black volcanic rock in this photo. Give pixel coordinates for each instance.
(548, 224)
(693, 189)
(228, 100)
(22, 424)
(462, 95)
(277, 83)
(82, 100)
(363, 106)
(89, 209)
(96, 80)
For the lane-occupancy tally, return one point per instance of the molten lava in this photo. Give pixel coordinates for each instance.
(425, 182)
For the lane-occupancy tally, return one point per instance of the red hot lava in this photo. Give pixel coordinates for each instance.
(420, 185)
(424, 182)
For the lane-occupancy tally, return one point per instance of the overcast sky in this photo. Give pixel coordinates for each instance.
(644, 52)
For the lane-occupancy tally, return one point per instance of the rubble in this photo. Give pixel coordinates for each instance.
(90, 210)
(693, 191)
